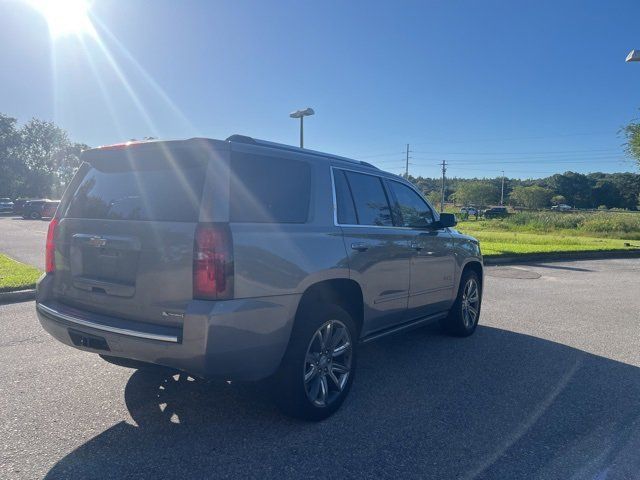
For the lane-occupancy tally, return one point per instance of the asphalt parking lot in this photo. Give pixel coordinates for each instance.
(548, 387)
(23, 240)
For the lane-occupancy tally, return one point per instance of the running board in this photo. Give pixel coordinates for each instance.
(405, 327)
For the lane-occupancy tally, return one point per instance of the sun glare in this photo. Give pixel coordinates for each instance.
(65, 17)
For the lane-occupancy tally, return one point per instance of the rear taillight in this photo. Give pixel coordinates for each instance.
(50, 248)
(213, 262)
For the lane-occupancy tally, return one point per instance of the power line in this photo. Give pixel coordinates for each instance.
(523, 153)
(536, 161)
(506, 139)
(377, 155)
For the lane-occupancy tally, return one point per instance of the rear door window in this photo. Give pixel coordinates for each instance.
(370, 199)
(162, 194)
(268, 189)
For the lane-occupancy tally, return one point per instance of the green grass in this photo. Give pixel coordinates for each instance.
(16, 276)
(554, 232)
(590, 224)
(495, 243)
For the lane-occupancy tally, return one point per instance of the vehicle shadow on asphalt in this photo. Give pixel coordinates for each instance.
(498, 405)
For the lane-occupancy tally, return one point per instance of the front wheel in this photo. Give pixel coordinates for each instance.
(465, 312)
(317, 369)
(34, 216)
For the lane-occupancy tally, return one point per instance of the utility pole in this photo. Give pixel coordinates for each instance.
(502, 190)
(406, 168)
(444, 170)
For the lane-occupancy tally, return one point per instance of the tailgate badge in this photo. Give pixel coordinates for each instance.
(97, 242)
(172, 314)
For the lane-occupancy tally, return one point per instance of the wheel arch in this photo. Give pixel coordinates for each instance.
(475, 266)
(343, 292)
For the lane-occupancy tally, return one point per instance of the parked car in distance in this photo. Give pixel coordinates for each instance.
(495, 212)
(18, 205)
(562, 207)
(49, 208)
(469, 211)
(35, 209)
(263, 261)
(6, 205)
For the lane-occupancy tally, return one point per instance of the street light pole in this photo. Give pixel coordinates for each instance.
(301, 114)
(502, 190)
(302, 132)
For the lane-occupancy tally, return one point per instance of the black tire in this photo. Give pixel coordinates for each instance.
(35, 216)
(289, 387)
(457, 323)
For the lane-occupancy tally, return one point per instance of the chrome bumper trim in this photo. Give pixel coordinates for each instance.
(56, 315)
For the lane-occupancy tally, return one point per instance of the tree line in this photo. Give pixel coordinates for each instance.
(37, 159)
(593, 190)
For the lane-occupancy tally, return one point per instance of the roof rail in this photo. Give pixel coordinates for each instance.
(281, 146)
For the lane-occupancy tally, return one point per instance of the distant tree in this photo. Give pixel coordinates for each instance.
(605, 192)
(37, 159)
(632, 132)
(479, 193)
(10, 166)
(434, 197)
(531, 197)
(69, 165)
(42, 151)
(628, 186)
(575, 187)
(558, 199)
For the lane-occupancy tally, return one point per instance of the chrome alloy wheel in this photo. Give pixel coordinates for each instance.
(470, 303)
(327, 363)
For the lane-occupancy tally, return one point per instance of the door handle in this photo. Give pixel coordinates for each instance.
(359, 246)
(416, 246)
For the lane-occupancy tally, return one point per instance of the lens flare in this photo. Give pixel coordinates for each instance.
(65, 17)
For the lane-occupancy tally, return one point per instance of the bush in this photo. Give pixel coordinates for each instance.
(611, 223)
(603, 223)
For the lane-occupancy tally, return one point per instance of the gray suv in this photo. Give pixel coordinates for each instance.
(246, 259)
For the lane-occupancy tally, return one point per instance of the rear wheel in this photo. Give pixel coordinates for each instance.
(317, 370)
(34, 216)
(465, 312)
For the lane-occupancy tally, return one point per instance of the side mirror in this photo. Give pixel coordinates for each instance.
(446, 220)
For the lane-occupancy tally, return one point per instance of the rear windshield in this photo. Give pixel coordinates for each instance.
(161, 194)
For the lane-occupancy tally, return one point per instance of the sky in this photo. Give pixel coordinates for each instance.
(531, 88)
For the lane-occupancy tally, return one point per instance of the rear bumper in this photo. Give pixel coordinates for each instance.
(243, 339)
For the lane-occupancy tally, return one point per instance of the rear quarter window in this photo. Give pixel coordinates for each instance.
(266, 189)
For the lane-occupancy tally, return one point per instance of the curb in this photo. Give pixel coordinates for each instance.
(18, 296)
(562, 256)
